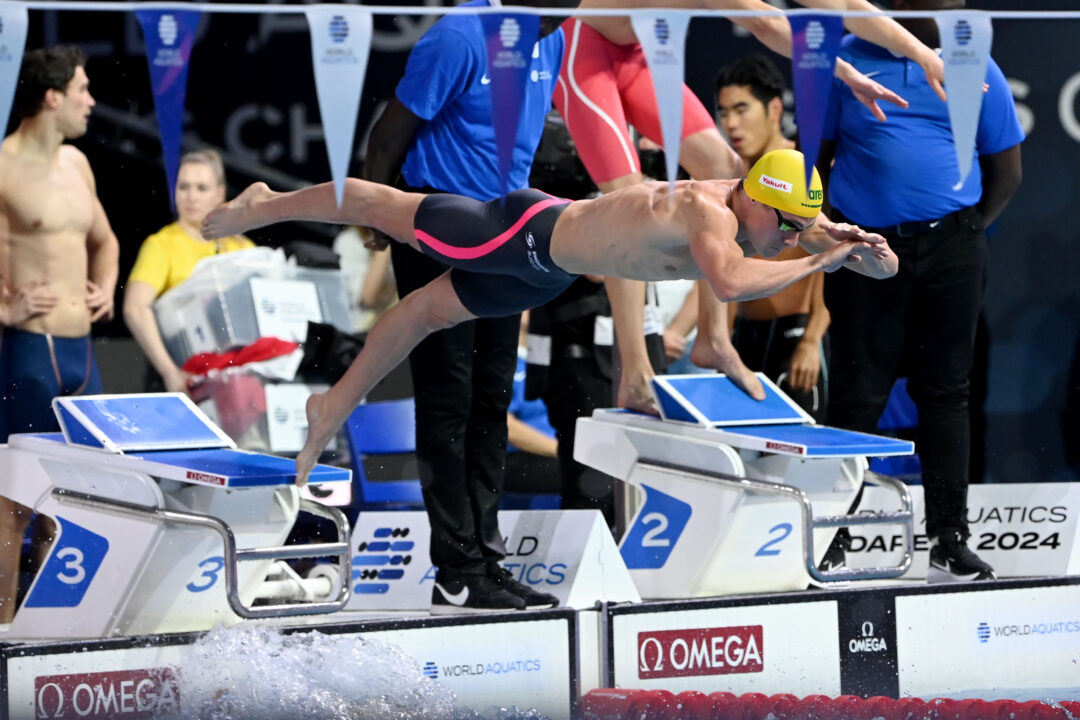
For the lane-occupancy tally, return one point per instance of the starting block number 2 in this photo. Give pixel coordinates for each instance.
(74, 561)
(655, 531)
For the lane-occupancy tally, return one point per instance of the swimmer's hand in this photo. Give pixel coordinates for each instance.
(934, 68)
(720, 354)
(866, 90)
(870, 251)
(28, 301)
(99, 302)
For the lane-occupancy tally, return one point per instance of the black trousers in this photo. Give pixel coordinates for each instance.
(576, 388)
(925, 316)
(768, 345)
(462, 378)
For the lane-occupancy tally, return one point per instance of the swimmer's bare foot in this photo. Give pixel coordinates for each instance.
(237, 215)
(320, 431)
(635, 393)
(726, 359)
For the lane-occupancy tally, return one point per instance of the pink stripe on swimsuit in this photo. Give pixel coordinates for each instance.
(471, 253)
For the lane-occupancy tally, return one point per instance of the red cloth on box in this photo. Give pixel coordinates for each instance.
(240, 401)
(262, 349)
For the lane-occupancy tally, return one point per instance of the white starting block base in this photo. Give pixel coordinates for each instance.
(568, 553)
(739, 496)
(155, 510)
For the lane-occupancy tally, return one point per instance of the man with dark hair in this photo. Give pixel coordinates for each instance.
(58, 259)
(782, 335)
(756, 72)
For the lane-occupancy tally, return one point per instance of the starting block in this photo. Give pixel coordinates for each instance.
(162, 524)
(737, 495)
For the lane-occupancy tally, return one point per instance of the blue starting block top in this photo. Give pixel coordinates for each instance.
(219, 467)
(136, 422)
(716, 401)
(774, 425)
(814, 441)
(167, 436)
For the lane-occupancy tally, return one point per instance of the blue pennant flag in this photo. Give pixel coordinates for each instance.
(815, 42)
(510, 40)
(169, 36)
(13, 23)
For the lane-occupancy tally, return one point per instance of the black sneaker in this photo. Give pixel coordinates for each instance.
(952, 561)
(472, 594)
(534, 599)
(835, 558)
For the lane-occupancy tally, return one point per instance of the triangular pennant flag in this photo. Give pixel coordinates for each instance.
(662, 34)
(510, 42)
(965, 48)
(13, 23)
(169, 36)
(340, 44)
(815, 42)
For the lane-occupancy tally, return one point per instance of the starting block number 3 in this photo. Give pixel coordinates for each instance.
(75, 559)
(211, 570)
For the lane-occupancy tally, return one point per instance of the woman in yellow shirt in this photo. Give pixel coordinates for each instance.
(167, 257)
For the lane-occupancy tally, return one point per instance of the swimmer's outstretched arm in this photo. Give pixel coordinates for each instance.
(872, 257)
(734, 277)
(364, 203)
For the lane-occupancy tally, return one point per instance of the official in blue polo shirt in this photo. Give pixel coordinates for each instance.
(896, 178)
(436, 135)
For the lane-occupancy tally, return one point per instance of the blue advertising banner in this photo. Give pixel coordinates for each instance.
(965, 46)
(12, 43)
(510, 40)
(340, 44)
(169, 36)
(815, 42)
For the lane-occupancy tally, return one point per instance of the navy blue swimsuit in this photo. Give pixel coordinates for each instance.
(499, 251)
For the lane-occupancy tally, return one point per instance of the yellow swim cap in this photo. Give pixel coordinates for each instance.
(778, 180)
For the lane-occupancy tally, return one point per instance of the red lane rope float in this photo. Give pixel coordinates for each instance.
(629, 704)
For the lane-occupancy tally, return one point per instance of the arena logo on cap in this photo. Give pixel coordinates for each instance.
(775, 183)
(701, 651)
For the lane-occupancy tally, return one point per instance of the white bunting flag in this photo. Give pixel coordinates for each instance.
(662, 34)
(340, 41)
(12, 44)
(965, 48)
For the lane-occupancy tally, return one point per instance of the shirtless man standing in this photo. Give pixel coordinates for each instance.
(525, 248)
(58, 259)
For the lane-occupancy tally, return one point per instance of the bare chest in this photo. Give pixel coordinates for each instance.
(55, 203)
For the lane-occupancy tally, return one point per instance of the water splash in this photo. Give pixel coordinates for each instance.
(253, 673)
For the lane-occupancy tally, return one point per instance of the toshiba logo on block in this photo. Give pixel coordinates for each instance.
(127, 694)
(701, 651)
